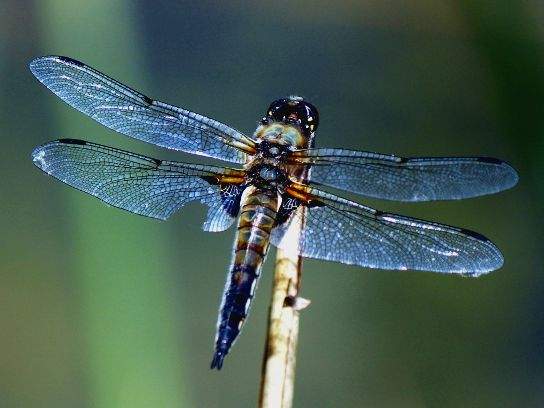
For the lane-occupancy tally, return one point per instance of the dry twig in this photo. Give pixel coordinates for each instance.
(278, 372)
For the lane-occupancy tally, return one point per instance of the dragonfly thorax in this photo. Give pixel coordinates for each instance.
(284, 136)
(266, 176)
(272, 149)
(269, 173)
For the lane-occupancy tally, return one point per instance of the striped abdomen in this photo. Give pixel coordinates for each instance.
(256, 220)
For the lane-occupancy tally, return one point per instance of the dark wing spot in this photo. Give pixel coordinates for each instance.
(157, 162)
(73, 141)
(490, 160)
(210, 179)
(288, 205)
(147, 100)
(474, 235)
(70, 61)
(314, 202)
(231, 195)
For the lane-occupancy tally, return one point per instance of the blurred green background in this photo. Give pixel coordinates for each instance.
(101, 308)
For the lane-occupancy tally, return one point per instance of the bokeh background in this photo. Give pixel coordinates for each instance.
(101, 308)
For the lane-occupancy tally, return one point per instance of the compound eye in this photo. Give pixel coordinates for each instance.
(295, 110)
(308, 116)
(278, 110)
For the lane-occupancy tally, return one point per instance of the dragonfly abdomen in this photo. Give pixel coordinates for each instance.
(257, 216)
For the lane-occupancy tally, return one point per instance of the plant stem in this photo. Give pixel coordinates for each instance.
(278, 373)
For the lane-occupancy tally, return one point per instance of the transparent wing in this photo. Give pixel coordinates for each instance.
(129, 112)
(414, 179)
(335, 229)
(142, 185)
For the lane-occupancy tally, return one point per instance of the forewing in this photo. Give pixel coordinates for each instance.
(129, 112)
(140, 184)
(335, 229)
(414, 179)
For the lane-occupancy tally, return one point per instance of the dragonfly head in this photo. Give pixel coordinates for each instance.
(294, 110)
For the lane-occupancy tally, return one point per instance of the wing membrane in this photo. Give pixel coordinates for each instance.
(140, 184)
(414, 179)
(127, 111)
(339, 230)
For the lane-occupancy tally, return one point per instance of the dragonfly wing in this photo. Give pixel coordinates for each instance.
(129, 112)
(140, 184)
(335, 229)
(400, 179)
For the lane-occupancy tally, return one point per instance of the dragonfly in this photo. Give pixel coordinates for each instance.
(278, 190)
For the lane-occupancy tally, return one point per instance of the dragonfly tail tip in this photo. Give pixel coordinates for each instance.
(217, 361)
